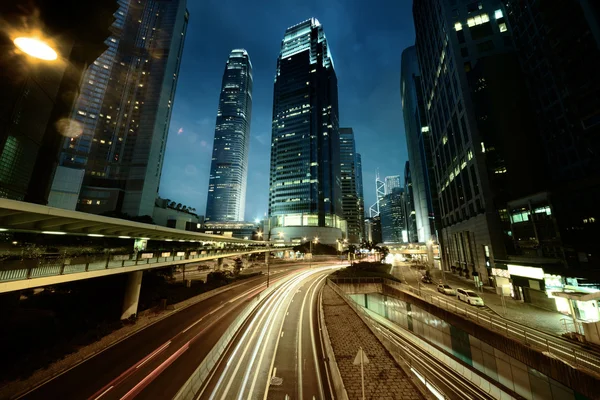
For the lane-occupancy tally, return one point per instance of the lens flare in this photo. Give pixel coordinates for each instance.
(36, 48)
(69, 127)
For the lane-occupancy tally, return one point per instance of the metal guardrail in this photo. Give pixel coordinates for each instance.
(562, 349)
(366, 318)
(69, 265)
(422, 362)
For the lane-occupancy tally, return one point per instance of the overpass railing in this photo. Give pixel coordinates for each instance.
(13, 270)
(571, 353)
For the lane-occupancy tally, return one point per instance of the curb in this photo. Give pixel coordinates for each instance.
(335, 376)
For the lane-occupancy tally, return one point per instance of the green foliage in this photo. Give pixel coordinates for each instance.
(365, 269)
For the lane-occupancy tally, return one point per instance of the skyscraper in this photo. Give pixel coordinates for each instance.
(360, 194)
(229, 169)
(305, 186)
(392, 182)
(393, 217)
(477, 107)
(409, 206)
(425, 202)
(350, 202)
(122, 148)
(37, 95)
(559, 52)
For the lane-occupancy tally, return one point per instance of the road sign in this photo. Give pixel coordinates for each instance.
(357, 360)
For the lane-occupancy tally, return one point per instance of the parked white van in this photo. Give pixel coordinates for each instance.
(469, 296)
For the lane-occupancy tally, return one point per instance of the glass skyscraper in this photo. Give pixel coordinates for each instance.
(305, 187)
(229, 168)
(125, 107)
(418, 144)
(360, 194)
(392, 182)
(393, 217)
(350, 202)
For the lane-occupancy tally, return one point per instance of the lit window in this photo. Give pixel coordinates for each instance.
(498, 14)
(425, 129)
(482, 147)
(445, 139)
(470, 155)
(478, 20)
(458, 26)
(502, 27)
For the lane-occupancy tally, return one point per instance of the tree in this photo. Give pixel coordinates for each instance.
(237, 267)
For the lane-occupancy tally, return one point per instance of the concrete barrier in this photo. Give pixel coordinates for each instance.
(194, 383)
(335, 378)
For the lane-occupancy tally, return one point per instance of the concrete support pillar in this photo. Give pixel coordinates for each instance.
(132, 294)
(219, 264)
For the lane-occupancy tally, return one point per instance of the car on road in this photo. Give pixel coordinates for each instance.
(426, 279)
(446, 289)
(470, 297)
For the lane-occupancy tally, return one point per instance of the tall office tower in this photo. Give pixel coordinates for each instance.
(350, 203)
(122, 150)
(305, 187)
(229, 169)
(393, 217)
(482, 131)
(409, 205)
(37, 93)
(559, 49)
(426, 204)
(373, 230)
(360, 194)
(69, 174)
(392, 182)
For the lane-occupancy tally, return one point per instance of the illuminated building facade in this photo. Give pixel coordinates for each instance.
(229, 168)
(305, 187)
(126, 117)
(348, 168)
(483, 141)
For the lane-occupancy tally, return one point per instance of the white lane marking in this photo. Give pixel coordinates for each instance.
(155, 352)
(282, 334)
(274, 372)
(262, 313)
(103, 393)
(312, 338)
(250, 393)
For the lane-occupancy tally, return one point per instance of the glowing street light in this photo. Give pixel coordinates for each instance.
(36, 48)
(259, 234)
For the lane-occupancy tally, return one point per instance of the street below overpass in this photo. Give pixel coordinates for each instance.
(156, 361)
(278, 352)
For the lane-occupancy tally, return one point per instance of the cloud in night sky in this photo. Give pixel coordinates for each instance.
(366, 41)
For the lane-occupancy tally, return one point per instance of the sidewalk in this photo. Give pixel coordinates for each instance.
(518, 311)
(384, 379)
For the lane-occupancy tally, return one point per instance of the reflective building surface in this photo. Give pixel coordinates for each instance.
(229, 168)
(350, 201)
(37, 94)
(393, 217)
(126, 105)
(419, 146)
(305, 185)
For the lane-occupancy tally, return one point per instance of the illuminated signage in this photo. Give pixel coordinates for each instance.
(527, 272)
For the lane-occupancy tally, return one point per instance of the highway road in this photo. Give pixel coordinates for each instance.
(278, 352)
(156, 361)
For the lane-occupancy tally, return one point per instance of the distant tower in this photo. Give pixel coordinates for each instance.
(229, 169)
(380, 192)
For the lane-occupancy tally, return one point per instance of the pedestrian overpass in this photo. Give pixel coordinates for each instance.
(121, 246)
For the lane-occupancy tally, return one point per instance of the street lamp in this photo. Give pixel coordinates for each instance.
(35, 48)
(259, 234)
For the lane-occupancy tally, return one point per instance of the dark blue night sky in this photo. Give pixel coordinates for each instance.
(366, 38)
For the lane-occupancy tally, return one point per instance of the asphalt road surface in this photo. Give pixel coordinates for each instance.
(156, 361)
(278, 353)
